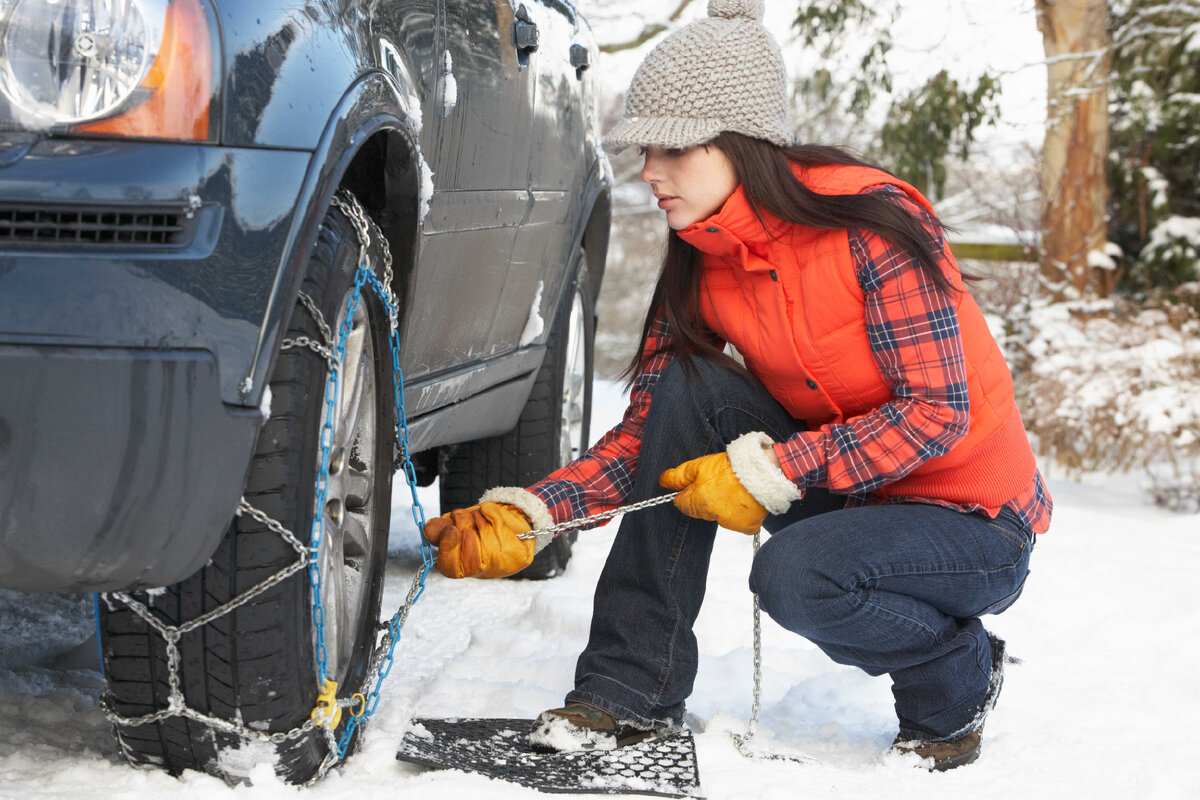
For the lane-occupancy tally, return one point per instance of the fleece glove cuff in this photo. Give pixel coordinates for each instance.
(530, 505)
(752, 464)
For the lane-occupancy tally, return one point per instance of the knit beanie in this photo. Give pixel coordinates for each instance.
(722, 73)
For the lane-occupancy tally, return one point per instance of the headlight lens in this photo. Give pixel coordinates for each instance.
(67, 61)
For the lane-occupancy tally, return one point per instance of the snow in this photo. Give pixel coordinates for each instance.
(1158, 187)
(559, 734)
(450, 85)
(1100, 707)
(1138, 372)
(534, 325)
(1176, 232)
(1100, 259)
(426, 186)
(265, 405)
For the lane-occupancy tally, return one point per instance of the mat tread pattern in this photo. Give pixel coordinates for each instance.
(499, 748)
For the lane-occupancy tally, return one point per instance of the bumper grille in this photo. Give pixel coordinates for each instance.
(55, 227)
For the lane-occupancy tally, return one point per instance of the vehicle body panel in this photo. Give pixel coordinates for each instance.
(104, 454)
(173, 342)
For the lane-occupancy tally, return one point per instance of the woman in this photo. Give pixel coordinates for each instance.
(872, 429)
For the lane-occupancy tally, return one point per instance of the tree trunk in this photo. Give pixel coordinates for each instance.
(1075, 152)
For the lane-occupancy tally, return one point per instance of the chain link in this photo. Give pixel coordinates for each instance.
(171, 634)
(383, 655)
(579, 522)
(323, 348)
(318, 348)
(742, 740)
(318, 317)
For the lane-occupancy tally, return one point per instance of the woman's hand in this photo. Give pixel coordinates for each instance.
(481, 541)
(708, 489)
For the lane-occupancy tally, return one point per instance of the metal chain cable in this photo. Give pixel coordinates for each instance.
(382, 657)
(171, 634)
(323, 348)
(603, 515)
(317, 529)
(742, 740)
(311, 305)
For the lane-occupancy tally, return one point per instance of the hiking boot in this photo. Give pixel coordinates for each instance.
(944, 755)
(963, 748)
(580, 726)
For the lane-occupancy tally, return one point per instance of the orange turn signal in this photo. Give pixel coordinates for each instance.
(177, 88)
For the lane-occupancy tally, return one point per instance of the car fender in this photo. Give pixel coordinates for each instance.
(373, 104)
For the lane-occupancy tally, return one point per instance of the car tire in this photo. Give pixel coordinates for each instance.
(256, 665)
(553, 429)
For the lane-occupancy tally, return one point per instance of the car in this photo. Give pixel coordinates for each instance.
(254, 259)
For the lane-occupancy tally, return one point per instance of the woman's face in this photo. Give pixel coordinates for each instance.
(690, 184)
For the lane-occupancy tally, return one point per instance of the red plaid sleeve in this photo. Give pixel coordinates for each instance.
(602, 478)
(915, 339)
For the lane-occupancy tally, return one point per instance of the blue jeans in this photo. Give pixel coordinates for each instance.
(894, 589)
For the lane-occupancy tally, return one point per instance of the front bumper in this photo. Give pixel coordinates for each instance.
(118, 468)
(136, 284)
(150, 245)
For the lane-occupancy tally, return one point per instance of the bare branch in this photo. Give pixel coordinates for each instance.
(648, 32)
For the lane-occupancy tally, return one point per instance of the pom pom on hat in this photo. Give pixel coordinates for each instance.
(729, 9)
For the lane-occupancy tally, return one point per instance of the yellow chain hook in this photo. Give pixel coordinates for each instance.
(328, 712)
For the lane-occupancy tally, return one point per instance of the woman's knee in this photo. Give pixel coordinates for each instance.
(697, 378)
(792, 585)
(692, 393)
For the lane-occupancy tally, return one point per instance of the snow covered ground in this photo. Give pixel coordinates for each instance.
(1104, 705)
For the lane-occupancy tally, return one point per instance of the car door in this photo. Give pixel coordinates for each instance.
(475, 140)
(557, 168)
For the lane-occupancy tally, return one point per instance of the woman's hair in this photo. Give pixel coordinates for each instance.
(764, 171)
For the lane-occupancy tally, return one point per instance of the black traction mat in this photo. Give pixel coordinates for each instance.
(499, 748)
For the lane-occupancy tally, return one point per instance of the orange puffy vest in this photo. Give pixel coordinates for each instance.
(790, 302)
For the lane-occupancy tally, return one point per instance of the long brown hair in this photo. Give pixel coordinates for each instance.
(764, 171)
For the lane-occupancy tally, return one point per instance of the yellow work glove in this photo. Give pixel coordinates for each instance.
(708, 489)
(480, 541)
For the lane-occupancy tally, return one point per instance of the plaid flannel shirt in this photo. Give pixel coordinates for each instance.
(915, 340)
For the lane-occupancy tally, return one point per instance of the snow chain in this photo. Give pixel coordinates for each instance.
(742, 740)
(329, 708)
(603, 515)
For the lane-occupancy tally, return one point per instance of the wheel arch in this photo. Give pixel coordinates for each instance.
(385, 175)
(596, 216)
(596, 236)
(370, 147)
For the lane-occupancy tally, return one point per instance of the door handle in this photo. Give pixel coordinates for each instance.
(581, 59)
(525, 36)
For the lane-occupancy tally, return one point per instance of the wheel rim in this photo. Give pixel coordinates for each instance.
(349, 516)
(571, 442)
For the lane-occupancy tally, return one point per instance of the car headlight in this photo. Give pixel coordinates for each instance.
(119, 67)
